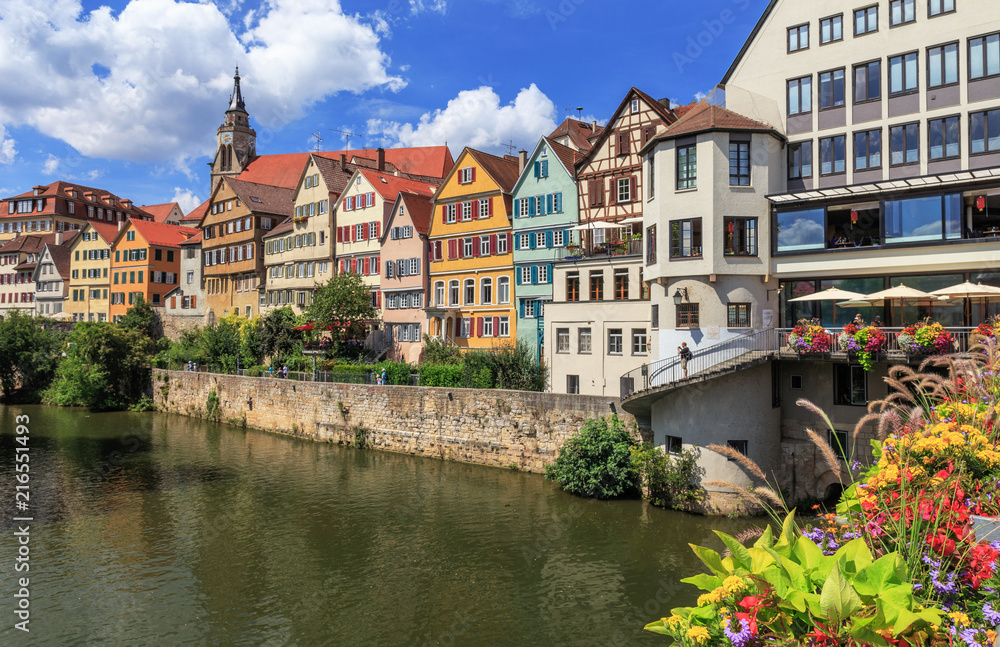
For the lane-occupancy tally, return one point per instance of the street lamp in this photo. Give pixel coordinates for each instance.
(680, 295)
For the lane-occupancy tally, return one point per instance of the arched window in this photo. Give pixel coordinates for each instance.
(439, 294)
(470, 291)
(503, 289)
(486, 291)
(453, 296)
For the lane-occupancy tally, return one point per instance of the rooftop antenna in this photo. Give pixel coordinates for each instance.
(318, 146)
(510, 147)
(347, 138)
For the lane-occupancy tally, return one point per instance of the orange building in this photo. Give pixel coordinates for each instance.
(145, 259)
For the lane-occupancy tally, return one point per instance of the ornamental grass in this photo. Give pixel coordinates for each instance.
(899, 563)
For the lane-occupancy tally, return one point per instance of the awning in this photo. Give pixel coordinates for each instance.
(866, 191)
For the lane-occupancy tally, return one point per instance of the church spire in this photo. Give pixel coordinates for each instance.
(236, 100)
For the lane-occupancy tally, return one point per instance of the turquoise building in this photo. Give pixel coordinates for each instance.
(545, 212)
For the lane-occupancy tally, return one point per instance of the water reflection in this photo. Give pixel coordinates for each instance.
(160, 529)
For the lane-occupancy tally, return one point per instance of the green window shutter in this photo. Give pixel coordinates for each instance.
(550, 273)
(534, 274)
(531, 206)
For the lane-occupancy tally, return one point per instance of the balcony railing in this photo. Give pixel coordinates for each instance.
(893, 350)
(631, 247)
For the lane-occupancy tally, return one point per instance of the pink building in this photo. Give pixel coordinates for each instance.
(405, 281)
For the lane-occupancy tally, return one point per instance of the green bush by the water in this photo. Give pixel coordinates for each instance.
(597, 461)
(30, 349)
(506, 367)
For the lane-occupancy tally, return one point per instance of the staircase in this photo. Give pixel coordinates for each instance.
(378, 350)
(730, 356)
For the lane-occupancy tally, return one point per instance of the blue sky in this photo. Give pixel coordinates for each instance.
(126, 96)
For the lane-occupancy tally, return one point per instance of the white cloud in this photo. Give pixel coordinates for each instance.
(132, 86)
(186, 198)
(419, 6)
(7, 150)
(476, 118)
(51, 165)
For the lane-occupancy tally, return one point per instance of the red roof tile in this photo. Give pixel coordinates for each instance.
(701, 117)
(194, 240)
(263, 198)
(106, 230)
(503, 170)
(60, 258)
(419, 209)
(31, 243)
(276, 170)
(281, 229)
(579, 132)
(160, 234)
(160, 211)
(429, 161)
(566, 155)
(389, 186)
(196, 214)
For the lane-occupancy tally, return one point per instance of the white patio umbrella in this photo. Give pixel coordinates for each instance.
(830, 294)
(902, 294)
(596, 224)
(969, 291)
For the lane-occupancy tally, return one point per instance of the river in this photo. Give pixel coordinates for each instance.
(156, 529)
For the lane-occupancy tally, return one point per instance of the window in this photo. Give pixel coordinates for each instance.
(800, 95)
(639, 341)
(903, 73)
(938, 7)
(832, 155)
(439, 294)
(687, 167)
(621, 285)
(597, 286)
(502, 243)
(739, 445)
(984, 56)
(902, 12)
(573, 384)
(942, 65)
(470, 291)
(190, 277)
(486, 291)
(850, 385)
(738, 315)
(831, 29)
(651, 244)
(685, 238)
(573, 286)
(741, 236)
(562, 340)
(650, 182)
(468, 247)
(800, 156)
(525, 272)
(801, 230)
(905, 144)
(923, 219)
(944, 137)
(528, 308)
(624, 189)
(558, 238)
(614, 341)
(739, 163)
(484, 245)
(453, 293)
(687, 315)
(503, 291)
(584, 341)
(487, 327)
(466, 211)
(466, 327)
(868, 150)
(798, 38)
(831, 89)
(984, 131)
(504, 329)
(673, 445)
(635, 105)
(484, 209)
(466, 175)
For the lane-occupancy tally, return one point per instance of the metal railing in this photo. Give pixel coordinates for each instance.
(598, 250)
(960, 343)
(335, 377)
(378, 349)
(704, 362)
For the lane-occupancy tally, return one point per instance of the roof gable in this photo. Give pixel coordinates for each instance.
(664, 112)
(418, 211)
(749, 41)
(565, 156)
(157, 234)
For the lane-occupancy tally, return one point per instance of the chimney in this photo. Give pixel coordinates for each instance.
(59, 237)
(593, 126)
(380, 158)
(121, 225)
(665, 103)
(343, 161)
(522, 160)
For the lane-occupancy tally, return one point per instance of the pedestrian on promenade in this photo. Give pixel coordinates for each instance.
(382, 377)
(284, 371)
(686, 355)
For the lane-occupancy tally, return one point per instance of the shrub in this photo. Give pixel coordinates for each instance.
(668, 481)
(441, 375)
(395, 372)
(597, 461)
(212, 408)
(437, 352)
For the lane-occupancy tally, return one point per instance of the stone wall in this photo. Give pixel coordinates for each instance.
(499, 428)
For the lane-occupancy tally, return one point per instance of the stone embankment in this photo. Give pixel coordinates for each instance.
(513, 429)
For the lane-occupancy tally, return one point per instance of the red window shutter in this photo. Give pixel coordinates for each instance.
(508, 234)
(496, 326)
(377, 269)
(461, 247)
(364, 231)
(632, 187)
(493, 244)
(452, 249)
(473, 173)
(378, 229)
(194, 301)
(378, 299)
(475, 246)
(366, 265)
(475, 209)
(612, 197)
(444, 213)
(479, 326)
(438, 250)
(173, 302)
(489, 203)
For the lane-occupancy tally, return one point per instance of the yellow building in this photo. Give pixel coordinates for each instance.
(471, 261)
(90, 264)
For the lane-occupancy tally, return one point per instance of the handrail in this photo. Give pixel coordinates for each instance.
(670, 371)
(961, 342)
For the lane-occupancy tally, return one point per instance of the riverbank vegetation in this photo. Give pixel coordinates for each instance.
(604, 460)
(912, 556)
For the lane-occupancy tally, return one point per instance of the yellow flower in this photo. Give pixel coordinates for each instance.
(733, 584)
(959, 618)
(991, 635)
(706, 599)
(698, 634)
(674, 621)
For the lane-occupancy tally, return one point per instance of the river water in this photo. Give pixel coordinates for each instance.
(156, 529)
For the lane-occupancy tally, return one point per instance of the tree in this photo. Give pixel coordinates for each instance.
(597, 461)
(141, 317)
(343, 305)
(277, 337)
(29, 354)
(107, 367)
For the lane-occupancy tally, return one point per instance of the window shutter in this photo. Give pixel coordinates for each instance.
(378, 230)
(473, 173)
(475, 247)
(517, 243)
(173, 302)
(452, 249)
(534, 275)
(521, 305)
(537, 168)
(549, 273)
(531, 206)
(531, 241)
(507, 236)
(489, 207)
(461, 247)
(632, 187)
(378, 299)
(417, 260)
(479, 326)
(444, 213)
(549, 203)
(517, 207)
(612, 195)
(545, 168)
(493, 244)
(517, 280)
(366, 265)
(548, 239)
(496, 326)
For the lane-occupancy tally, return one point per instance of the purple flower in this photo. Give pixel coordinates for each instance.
(741, 638)
(990, 615)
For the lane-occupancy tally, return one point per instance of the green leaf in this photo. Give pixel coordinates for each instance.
(789, 531)
(896, 604)
(838, 600)
(711, 559)
(741, 556)
(766, 540)
(807, 553)
(888, 569)
(704, 581)
(657, 627)
(854, 556)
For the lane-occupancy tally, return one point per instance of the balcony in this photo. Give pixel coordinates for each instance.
(607, 249)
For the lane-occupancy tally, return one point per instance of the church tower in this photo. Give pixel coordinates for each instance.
(236, 140)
